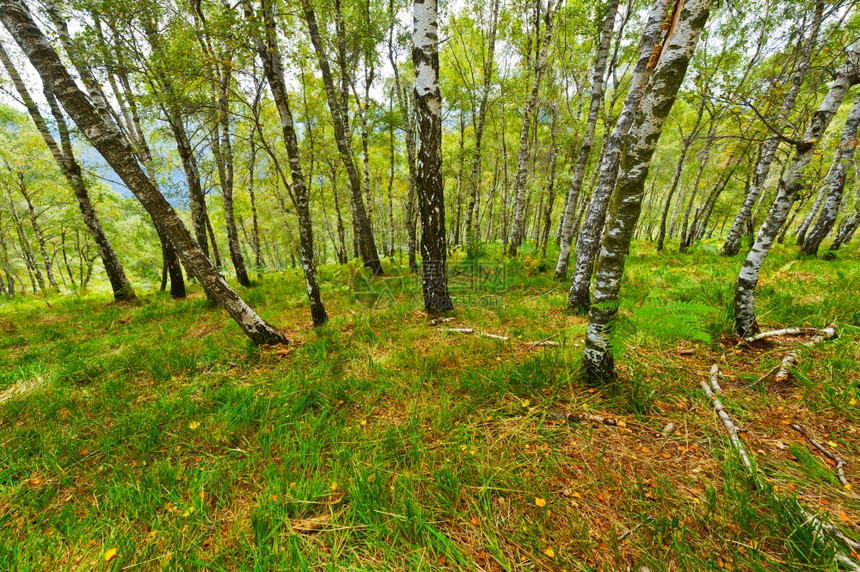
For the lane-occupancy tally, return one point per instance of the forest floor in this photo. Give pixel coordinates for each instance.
(154, 435)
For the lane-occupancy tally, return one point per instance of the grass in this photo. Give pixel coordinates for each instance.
(154, 436)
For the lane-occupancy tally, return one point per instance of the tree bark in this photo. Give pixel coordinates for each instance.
(519, 191)
(587, 244)
(362, 229)
(594, 106)
(430, 187)
(107, 139)
(789, 187)
(835, 183)
(762, 169)
(64, 156)
(270, 54)
(639, 144)
(475, 177)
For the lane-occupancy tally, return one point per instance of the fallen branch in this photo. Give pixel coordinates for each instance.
(727, 421)
(611, 421)
(542, 343)
(820, 526)
(436, 321)
(480, 334)
(840, 462)
(788, 362)
(783, 332)
(608, 421)
(822, 336)
(624, 535)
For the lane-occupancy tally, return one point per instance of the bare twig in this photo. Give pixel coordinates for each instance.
(840, 462)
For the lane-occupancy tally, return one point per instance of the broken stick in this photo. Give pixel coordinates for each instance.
(727, 421)
(840, 462)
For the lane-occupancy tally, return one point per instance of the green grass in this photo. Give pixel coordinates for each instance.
(379, 442)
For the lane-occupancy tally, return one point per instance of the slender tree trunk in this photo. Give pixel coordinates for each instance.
(639, 145)
(475, 177)
(222, 148)
(430, 187)
(519, 192)
(409, 137)
(762, 169)
(835, 183)
(269, 52)
(106, 138)
(65, 159)
(687, 237)
(361, 224)
(789, 187)
(252, 195)
(550, 191)
(211, 232)
(595, 104)
(845, 233)
(588, 242)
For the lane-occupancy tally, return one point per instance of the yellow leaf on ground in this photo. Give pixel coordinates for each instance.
(334, 485)
(194, 425)
(540, 502)
(549, 552)
(110, 554)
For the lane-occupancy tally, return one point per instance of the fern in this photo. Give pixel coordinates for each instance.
(672, 320)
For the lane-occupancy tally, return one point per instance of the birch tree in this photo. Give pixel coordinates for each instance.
(430, 187)
(787, 192)
(106, 138)
(343, 136)
(762, 169)
(270, 54)
(834, 183)
(519, 190)
(579, 298)
(594, 107)
(64, 156)
(682, 36)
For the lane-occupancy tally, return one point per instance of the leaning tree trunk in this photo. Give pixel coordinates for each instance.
(676, 179)
(789, 187)
(847, 231)
(519, 191)
(835, 183)
(270, 54)
(550, 191)
(762, 169)
(475, 177)
(222, 148)
(362, 230)
(409, 136)
(639, 145)
(64, 156)
(588, 241)
(107, 139)
(594, 107)
(430, 187)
